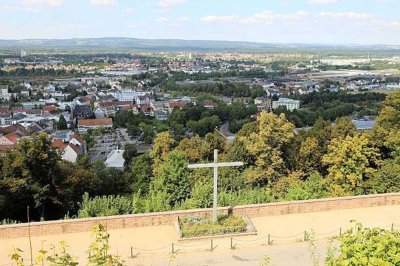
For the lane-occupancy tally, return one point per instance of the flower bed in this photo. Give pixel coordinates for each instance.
(203, 226)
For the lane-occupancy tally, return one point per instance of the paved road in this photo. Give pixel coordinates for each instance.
(224, 129)
(124, 133)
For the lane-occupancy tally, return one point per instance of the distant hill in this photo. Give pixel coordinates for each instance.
(121, 43)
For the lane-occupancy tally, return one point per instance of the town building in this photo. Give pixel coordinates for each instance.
(115, 159)
(85, 124)
(82, 111)
(290, 104)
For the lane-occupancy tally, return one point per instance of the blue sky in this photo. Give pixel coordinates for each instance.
(271, 21)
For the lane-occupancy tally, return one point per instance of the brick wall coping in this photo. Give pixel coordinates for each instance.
(163, 218)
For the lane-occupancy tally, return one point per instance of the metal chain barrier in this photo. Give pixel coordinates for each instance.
(286, 237)
(329, 233)
(151, 250)
(193, 246)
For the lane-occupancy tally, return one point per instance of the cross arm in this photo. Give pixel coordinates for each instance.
(230, 164)
(211, 165)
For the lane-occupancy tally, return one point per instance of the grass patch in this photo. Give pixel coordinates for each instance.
(203, 226)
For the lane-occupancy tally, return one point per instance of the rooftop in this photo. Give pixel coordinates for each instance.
(115, 159)
(95, 122)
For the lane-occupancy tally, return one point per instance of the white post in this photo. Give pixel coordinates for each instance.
(215, 186)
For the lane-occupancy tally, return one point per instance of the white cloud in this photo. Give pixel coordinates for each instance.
(183, 19)
(102, 2)
(162, 19)
(10, 8)
(43, 2)
(395, 24)
(132, 26)
(269, 17)
(214, 19)
(54, 2)
(170, 3)
(346, 15)
(322, 2)
(130, 10)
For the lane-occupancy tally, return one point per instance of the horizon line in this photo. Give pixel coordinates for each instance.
(203, 40)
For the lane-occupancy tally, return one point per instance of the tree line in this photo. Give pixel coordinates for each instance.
(332, 105)
(326, 161)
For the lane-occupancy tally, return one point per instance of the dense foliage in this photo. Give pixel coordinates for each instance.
(327, 160)
(225, 88)
(332, 105)
(191, 118)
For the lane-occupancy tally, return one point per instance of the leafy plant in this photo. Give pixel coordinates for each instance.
(367, 246)
(97, 253)
(98, 250)
(16, 256)
(62, 258)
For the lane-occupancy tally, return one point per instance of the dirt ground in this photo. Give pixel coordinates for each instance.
(153, 245)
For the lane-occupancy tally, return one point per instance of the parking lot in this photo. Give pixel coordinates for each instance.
(112, 140)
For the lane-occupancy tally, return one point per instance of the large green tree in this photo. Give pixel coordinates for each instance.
(343, 127)
(62, 123)
(386, 133)
(162, 145)
(195, 148)
(30, 176)
(265, 146)
(349, 162)
(130, 152)
(173, 178)
(141, 174)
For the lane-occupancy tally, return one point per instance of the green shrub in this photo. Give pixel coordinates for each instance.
(8, 221)
(104, 206)
(203, 226)
(245, 196)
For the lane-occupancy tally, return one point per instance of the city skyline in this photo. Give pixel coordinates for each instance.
(290, 21)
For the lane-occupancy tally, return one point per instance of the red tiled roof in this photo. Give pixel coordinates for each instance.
(95, 122)
(12, 137)
(49, 108)
(59, 144)
(74, 147)
(86, 99)
(112, 104)
(14, 128)
(176, 104)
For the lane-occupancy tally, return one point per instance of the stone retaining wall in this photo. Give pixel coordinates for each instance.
(163, 218)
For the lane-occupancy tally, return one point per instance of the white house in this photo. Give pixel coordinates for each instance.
(99, 113)
(4, 93)
(71, 151)
(290, 104)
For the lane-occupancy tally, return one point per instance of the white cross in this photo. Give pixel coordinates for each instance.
(215, 165)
